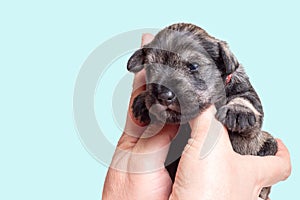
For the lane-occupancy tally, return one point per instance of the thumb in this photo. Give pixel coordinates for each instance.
(206, 131)
(150, 152)
(273, 169)
(201, 124)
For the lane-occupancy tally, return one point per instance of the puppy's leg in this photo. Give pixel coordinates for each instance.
(269, 147)
(261, 145)
(239, 115)
(139, 109)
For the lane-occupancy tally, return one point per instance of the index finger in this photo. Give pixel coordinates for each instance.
(146, 38)
(139, 77)
(133, 129)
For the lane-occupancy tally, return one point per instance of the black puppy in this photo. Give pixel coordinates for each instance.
(187, 70)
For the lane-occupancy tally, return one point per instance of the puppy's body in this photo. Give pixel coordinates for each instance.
(187, 70)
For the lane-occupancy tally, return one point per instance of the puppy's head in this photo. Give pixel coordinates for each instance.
(185, 72)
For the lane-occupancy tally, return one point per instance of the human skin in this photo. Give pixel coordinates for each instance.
(224, 174)
(137, 170)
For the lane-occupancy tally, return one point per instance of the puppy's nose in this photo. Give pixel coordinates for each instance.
(166, 97)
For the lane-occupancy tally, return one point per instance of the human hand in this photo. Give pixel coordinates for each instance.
(214, 171)
(137, 170)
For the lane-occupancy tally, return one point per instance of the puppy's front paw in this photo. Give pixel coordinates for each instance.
(139, 109)
(236, 118)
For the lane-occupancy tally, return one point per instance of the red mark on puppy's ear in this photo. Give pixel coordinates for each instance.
(228, 79)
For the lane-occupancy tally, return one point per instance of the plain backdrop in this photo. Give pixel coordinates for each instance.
(43, 45)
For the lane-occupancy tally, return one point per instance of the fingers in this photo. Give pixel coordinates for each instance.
(206, 132)
(139, 77)
(146, 38)
(283, 152)
(201, 124)
(273, 169)
(150, 151)
(157, 136)
(138, 86)
(139, 81)
(133, 128)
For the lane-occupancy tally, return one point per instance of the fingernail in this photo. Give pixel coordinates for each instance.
(146, 38)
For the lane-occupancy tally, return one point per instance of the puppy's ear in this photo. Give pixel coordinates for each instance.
(228, 61)
(136, 61)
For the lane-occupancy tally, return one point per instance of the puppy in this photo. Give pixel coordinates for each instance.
(187, 70)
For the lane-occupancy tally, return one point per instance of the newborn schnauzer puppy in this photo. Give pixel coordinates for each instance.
(187, 70)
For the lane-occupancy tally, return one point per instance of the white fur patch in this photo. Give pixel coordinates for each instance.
(244, 102)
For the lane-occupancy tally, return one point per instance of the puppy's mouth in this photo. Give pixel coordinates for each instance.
(172, 108)
(165, 113)
(171, 113)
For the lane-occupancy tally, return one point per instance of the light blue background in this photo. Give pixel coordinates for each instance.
(44, 43)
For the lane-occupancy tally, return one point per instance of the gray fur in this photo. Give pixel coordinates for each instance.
(169, 60)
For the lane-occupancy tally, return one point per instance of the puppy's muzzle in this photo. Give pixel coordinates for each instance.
(164, 95)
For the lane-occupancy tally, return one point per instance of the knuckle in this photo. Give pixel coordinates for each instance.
(287, 171)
